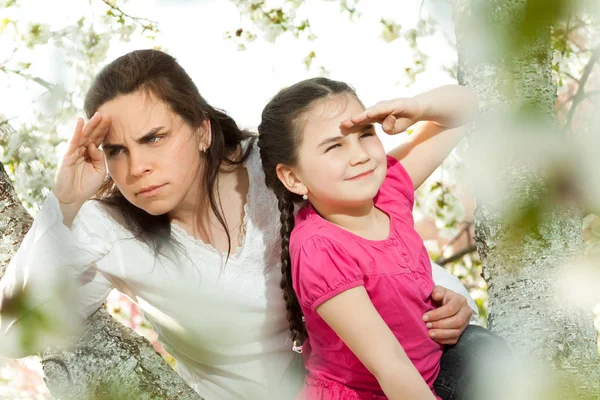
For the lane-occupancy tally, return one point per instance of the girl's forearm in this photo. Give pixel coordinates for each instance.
(449, 106)
(404, 384)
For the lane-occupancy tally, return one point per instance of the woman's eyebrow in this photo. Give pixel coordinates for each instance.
(143, 139)
(150, 134)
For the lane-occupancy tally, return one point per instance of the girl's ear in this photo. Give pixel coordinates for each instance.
(205, 133)
(290, 179)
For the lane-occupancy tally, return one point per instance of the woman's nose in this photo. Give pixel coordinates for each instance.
(138, 164)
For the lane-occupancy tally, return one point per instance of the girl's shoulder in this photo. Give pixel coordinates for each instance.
(397, 189)
(310, 229)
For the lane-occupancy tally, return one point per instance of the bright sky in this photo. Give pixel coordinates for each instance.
(241, 82)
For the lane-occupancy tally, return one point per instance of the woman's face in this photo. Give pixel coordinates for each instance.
(152, 154)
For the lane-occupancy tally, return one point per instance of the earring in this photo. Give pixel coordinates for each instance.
(305, 197)
(202, 149)
(296, 348)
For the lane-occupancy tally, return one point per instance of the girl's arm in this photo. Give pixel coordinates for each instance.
(371, 340)
(444, 109)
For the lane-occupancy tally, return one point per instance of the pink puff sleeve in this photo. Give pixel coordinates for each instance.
(322, 269)
(397, 186)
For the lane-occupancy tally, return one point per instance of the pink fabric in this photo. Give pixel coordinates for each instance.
(396, 273)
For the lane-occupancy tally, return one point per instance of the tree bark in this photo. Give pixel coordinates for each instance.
(522, 303)
(109, 361)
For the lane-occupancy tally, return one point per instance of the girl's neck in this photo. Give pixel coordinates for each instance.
(364, 220)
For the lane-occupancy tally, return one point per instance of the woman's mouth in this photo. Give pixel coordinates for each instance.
(150, 191)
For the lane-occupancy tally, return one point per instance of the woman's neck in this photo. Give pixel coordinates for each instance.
(196, 203)
(200, 220)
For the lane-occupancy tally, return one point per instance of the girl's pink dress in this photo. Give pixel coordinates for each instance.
(396, 272)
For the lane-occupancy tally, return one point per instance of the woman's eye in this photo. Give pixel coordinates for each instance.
(154, 139)
(114, 152)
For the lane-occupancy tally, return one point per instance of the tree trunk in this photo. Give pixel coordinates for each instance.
(523, 306)
(109, 361)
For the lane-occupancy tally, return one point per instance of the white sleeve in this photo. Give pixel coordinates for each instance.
(51, 284)
(444, 278)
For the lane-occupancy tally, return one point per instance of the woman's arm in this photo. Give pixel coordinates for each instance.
(371, 340)
(444, 109)
(51, 283)
(443, 278)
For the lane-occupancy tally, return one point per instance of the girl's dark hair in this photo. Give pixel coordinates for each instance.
(279, 136)
(159, 74)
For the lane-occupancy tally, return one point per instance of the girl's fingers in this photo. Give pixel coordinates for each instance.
(393, 125)
(388, 124)
(377, 113)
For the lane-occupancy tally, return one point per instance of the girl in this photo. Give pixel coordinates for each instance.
(352, 263)
(162, 196)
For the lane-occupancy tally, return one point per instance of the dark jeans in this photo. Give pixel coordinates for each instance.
(456, 380)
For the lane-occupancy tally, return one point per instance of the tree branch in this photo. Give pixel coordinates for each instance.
(455, 238)
(145, 23)
(456, 256)
(571, 76)
(36, 79)
(580, 94)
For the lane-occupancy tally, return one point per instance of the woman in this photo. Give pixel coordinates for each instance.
(181, 221)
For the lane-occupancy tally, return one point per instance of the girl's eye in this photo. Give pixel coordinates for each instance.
(368, 134)
(332, 147)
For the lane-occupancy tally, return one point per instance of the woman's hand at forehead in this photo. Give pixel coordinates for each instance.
(395, 116)
(82, 169)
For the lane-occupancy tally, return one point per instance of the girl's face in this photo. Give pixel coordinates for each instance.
(339, 167)
(152, 154)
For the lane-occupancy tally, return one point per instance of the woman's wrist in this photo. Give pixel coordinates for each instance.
(69, 212)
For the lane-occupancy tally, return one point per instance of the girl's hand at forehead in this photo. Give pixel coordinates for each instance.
(395, 116)
(82, 169)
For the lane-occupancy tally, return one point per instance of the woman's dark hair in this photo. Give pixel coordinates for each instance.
(279, 136)
(159, 74)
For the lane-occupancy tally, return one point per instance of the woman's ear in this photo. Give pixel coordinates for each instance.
(290, 179)
(205, 134)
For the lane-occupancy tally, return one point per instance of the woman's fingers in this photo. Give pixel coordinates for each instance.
(101, 131)
(94, 131)
(95, 154)
(73, 143)
(91, 125)
(445, 336)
